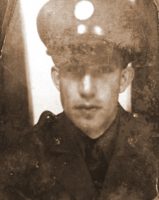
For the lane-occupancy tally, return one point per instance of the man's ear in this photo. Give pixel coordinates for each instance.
(127, 76)
(55, 76)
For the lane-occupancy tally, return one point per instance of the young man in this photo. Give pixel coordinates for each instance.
(94, 149)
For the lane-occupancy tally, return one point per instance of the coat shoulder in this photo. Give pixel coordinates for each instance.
(133, 171)
(136, 126)
(46, 119)
(51, 129)
(24, 162)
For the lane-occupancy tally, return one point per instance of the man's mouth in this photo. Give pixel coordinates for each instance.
(87, 108)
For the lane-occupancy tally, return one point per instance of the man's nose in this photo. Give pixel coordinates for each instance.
(87, 86)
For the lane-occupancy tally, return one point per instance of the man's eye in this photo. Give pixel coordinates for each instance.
(69, 69)
(73, 70)
(104, 69)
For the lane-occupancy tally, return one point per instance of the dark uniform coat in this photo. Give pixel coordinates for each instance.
(47, 163)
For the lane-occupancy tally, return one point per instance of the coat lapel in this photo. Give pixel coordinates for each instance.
(70, 170)
(73, 175)
(131, 173)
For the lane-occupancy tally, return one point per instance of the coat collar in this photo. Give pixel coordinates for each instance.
(71, 170)
(127, 161)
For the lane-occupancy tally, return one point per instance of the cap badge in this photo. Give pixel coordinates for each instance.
(84, 10)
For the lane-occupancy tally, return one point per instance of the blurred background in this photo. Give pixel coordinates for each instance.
(26, 88)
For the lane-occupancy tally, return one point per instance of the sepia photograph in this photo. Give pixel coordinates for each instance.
(79, 99)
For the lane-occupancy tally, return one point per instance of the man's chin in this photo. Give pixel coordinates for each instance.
(86, 126)
(86, 120)
(90, 131)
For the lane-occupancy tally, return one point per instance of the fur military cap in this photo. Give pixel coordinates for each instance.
(129, 25)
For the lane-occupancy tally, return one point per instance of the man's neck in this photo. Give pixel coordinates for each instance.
(97, 133)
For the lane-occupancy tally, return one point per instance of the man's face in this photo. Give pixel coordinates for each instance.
(89, 93)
